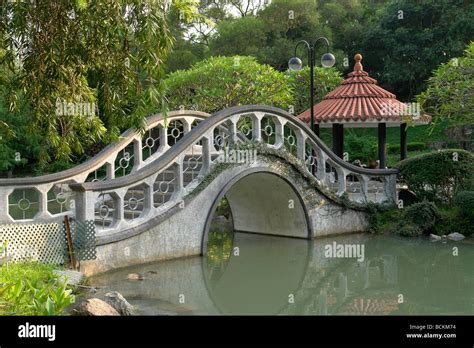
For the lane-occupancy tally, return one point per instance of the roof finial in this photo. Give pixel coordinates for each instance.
(358, 66)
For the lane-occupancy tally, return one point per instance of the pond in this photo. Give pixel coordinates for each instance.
(254, 274)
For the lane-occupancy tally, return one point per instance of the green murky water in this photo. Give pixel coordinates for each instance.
(274, 275)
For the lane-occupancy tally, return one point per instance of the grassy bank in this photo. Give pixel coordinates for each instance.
(31, 288)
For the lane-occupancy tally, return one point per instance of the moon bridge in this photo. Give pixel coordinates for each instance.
(155, 193)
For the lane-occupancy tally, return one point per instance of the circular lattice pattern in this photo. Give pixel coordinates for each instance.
(245, 130)
(163, 187)
(24, 204)
(61, 197)
(291, 140)
(104, 211)
(133, 203)
(268, 130)
(193, 163)
(310, 160)
(219, 140)
(150, 142)
(124, 162)
(175, 133)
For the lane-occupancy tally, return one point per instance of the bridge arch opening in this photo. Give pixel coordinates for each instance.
(262, 202)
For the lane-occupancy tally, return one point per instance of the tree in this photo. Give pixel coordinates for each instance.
(79, 52)
(325, 80)
(286, 23)
(248, 7)
(18, 145)
(186, 50)
(450, 92)
(271, 34)
(348, 21)
(221, 82)
(410, 38)
(194, 38)
(244, 36)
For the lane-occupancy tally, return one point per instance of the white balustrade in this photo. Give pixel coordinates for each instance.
(126, 197)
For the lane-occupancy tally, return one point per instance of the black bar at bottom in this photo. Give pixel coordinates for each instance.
(136, 331)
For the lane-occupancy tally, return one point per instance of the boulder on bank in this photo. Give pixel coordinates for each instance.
(94, 307)
(455, 236)
(119, 303)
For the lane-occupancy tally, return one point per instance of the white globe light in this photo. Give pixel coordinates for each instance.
(295, 64)
(328, 60)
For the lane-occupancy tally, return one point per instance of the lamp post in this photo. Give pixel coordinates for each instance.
(327, 60)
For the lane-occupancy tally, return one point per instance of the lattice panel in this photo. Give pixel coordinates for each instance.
(41, 242)
(47, 243)
(83, 239)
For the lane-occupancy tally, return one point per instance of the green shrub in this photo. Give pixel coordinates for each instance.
(221, 82)
(423, 214)
(452, 220)
(362, 148)
(394, 149)
(408, 229)
(381, 221)
(417, 219)
(464, 200)
(439, 175)
(30, 288)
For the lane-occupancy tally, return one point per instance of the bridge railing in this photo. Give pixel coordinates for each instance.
(127, 202)
(48, 197)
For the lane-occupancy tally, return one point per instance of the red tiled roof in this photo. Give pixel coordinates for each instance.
(358, 99)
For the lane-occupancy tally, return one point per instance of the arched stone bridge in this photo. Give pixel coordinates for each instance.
(153, 195)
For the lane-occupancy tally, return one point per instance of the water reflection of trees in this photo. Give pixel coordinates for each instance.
(427, 275)
(260, 279)
(430, 278)
(219, 249)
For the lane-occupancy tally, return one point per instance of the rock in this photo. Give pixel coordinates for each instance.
(119, 303)
(434, 237)
(94, 307)
(455, 236)
(69, 276)
(135, 276)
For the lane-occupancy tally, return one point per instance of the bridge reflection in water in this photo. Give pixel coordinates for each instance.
(397, 276)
